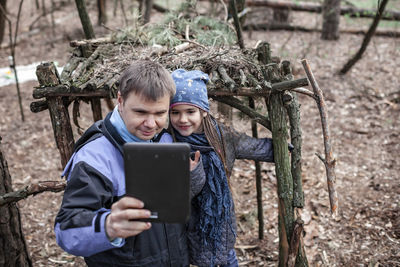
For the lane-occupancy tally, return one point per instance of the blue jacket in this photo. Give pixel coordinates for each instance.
(96, 180)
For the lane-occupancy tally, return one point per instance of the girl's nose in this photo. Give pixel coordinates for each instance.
(182, 118)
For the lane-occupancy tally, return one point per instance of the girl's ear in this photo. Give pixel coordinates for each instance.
(205, 114)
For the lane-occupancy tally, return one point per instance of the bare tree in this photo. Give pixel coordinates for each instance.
(145, 10)
(13, 42)
(367, 38)
(102, 17)
(331, 18)
(13, 249)
(3, 4)
(85, 20)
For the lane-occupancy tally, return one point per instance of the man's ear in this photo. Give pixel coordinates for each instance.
(119, 98)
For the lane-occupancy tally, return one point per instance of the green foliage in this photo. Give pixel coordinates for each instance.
(204, 30)
(130, 34)
(172, 31)
(163, 36)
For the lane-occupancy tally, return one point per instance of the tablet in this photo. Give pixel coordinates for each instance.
(158, 174)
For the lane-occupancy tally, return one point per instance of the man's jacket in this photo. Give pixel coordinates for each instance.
(96, 180)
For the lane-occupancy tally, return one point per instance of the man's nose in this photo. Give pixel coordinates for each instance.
(150, 122)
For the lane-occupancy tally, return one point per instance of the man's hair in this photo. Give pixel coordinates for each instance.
(148, 79)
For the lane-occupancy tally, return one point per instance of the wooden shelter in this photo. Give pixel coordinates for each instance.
(94, 67)
(93, 71)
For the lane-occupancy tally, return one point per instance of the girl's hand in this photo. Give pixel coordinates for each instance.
(193, 163)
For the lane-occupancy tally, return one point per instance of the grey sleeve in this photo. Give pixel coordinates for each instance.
(197, 179)
(246, 147)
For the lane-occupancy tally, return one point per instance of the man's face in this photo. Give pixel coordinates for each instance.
(143, 118)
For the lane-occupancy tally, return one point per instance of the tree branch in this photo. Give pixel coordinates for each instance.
(236, 103)
(329, 161)
(32, 189)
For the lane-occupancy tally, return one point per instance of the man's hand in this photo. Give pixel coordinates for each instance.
(119, 222)
(193, 163)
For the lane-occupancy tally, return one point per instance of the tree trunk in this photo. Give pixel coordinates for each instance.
(3, 3)
(102, 15)
(85, 20)
(331, 18)
(281, 15)
(13, 249)
(145, 10)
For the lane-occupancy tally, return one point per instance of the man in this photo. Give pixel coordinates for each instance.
(95, 219)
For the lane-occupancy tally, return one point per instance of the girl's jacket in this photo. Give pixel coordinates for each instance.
(237, 146)
(96, 180)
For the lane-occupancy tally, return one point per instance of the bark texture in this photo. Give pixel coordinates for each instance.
(85, 20)
(102, 17)
(13, 249)
(48, 76)
(331, 19)
(3, 3)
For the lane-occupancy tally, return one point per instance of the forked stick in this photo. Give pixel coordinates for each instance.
(329, 161)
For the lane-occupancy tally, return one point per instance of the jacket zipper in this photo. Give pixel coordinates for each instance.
(166, 238)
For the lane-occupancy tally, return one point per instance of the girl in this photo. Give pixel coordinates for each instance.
(212, 225)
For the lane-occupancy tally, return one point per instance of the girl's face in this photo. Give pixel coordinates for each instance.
(187, 119)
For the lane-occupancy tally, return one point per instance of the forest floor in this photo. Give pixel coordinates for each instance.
(363, 108)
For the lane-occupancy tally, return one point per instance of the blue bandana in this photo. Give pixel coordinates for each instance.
(191, 88)
(119, 124)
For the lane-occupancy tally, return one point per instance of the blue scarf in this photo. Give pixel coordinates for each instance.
(214, 202)
(119, 124)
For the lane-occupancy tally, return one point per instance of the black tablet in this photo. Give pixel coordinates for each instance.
(158, 174)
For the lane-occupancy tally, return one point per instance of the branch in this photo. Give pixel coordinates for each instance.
(236, 103)
(32, 189)
(329, 160)
(366, 40)
(304, 91)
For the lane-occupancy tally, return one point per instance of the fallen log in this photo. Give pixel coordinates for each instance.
(311, 7)
(288, 27)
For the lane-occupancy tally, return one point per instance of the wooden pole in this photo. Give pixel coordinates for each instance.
(329, 161)
(260, 210)
(48, 76)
